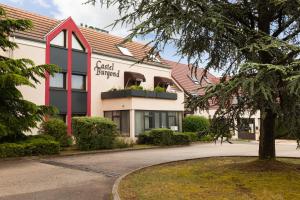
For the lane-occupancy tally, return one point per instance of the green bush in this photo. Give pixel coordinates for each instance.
(93, 133)
(193, 137)
(58, 130)
(195, 124)
(136, 87)
(122, 143)
(32, 146)
(163, 137)
(206, 138)
(159, 89)
(144, 138)
(181, 139)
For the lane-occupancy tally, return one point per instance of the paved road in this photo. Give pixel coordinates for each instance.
(92, 176)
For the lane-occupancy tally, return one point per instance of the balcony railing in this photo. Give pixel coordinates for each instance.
(138, 93)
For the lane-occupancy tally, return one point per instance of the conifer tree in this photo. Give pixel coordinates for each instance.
(254, 43)
(17, 115)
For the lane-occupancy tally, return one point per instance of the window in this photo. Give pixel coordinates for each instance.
(60, 39)
(58, 80)
(146, 120)
(172, 119)
(139, 122)
(76, 44)
(125, 51)
(154, 58)
(78, 82)
(122, 120)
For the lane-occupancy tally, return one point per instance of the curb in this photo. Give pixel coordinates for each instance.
(115, 193)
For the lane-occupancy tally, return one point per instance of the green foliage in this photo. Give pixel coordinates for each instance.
(136, 87)
(32, 146)
(220, 128)
(180, 139)
(144, 138)
(163, 137)
(159, 89)
(93, 133)
(206, 138)
(193, 136)
(255, 44)
(195, 123)
(120, 143)
(58, 130)
(18, 115)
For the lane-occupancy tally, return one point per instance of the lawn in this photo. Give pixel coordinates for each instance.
(215, 178)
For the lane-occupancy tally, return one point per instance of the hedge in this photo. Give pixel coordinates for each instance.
(181, 139)
(193, 137)
(56, 128)
(163, 137)
(194, 123)
(32, 146)
(93, 133)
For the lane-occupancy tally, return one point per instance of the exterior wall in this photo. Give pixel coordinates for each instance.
(34, 51)
(100, 83)
(210, 113)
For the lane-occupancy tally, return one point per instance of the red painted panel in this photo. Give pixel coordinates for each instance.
(71, 27)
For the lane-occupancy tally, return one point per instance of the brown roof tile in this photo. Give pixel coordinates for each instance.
(101, 42)
(182, 73)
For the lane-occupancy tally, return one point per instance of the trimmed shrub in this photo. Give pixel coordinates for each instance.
(122, 143)
(144, 138)
(193, 137)
(206, 138)
(195, 124)
(92, 133)
(180, 139)
(163, 137)
(32, 146)
(58, 130)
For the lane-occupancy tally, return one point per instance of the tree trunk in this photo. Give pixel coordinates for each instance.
(267, 137)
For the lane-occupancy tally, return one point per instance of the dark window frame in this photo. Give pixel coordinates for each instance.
(119, 116)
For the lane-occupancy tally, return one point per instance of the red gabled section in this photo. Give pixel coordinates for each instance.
(70, 26)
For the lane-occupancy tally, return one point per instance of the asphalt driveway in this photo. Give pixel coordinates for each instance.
(92, 176)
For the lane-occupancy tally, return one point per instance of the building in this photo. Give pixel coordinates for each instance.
(189, 81)
(96, 68)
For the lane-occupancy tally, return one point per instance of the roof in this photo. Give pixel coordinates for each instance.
(101, 42)
(181, 73)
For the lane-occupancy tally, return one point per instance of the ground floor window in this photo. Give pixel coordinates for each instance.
(122, 119)
(146, 120)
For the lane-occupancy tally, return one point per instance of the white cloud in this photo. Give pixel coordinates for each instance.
(18, 1)
(41, 3)
(88, 14)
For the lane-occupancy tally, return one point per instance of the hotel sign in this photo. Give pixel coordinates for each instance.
(107, 70)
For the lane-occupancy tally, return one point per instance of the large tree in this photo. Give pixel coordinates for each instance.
(18, 115)
(254, 43)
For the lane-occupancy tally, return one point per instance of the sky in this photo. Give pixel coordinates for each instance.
(96, 16)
